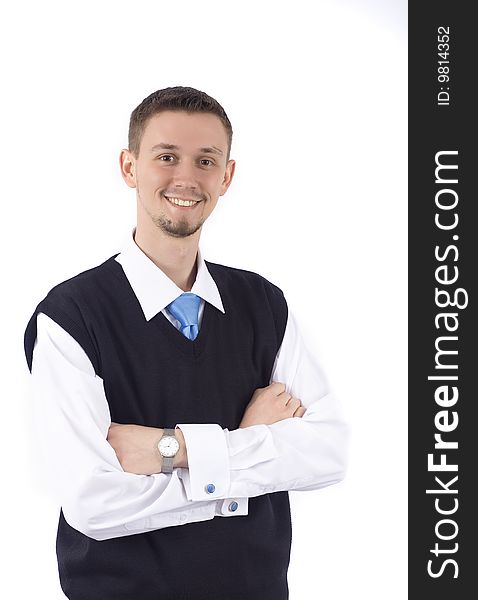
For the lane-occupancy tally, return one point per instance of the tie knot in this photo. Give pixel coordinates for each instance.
(185, 309)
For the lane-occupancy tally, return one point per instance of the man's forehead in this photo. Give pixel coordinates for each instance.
(177, 129)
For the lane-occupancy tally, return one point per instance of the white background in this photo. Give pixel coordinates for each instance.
(316, 92)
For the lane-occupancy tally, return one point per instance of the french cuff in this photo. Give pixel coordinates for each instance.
(207, 476)
(232, 507)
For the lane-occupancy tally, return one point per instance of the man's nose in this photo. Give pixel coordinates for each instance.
(184, 176)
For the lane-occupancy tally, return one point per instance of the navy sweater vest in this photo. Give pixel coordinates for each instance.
(154, 376)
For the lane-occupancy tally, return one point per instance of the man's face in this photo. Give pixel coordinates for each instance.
(180, 171)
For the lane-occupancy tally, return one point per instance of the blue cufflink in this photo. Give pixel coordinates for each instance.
(233, 506)
(210, 488)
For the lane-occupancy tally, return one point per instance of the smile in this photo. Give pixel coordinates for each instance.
(180, 202)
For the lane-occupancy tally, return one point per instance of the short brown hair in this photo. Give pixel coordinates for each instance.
(177, 98)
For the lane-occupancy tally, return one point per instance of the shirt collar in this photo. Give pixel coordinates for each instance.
(153, 288)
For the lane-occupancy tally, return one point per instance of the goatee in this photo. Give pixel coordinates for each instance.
(180, 229)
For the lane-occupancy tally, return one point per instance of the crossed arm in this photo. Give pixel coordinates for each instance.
(97, 469)
(136, 446)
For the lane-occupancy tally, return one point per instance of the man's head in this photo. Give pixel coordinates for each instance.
(178, 160)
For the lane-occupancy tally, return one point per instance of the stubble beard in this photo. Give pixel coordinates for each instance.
(180, 229)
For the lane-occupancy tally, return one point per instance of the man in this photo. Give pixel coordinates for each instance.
(176, 400)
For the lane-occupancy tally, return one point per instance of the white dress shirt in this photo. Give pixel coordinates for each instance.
(101, 500)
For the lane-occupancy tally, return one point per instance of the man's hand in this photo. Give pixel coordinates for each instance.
(137, 448)
(271, 404)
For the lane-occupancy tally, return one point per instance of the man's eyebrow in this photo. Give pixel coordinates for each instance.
(204, 150)
(211, 150)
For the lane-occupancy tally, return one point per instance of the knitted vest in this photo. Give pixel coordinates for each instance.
(154, 376)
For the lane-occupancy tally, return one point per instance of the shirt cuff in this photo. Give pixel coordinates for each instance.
(207, 476)
(232, 507)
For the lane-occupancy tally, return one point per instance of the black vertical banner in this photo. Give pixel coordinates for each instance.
(443, 255)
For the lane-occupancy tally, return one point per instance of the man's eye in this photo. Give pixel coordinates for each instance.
(205, 162)
(166, 158)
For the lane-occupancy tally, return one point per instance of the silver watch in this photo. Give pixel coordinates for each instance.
(168, 447)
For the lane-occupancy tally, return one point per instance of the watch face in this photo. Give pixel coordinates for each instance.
(168, 446)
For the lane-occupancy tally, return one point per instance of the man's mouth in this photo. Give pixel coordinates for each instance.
(181, 201)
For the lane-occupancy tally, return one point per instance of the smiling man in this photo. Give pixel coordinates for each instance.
(176, 401)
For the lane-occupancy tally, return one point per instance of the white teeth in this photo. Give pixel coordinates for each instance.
(180, 202)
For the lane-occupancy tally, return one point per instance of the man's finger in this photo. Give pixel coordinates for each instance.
(278, 387)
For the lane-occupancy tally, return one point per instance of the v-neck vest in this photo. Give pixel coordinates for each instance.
(155, 376)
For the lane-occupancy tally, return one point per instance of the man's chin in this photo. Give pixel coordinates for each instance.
(177, 230)
(180, 233)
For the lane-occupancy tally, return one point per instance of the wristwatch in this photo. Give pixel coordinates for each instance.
(168, 447)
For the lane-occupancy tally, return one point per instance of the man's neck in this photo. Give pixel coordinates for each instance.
(176, 257)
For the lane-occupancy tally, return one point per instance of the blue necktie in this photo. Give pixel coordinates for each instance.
(185, 309)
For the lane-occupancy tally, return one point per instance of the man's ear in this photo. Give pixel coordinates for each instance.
(228, 175)
(128, 167)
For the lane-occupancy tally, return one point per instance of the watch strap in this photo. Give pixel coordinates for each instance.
(167, 464)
